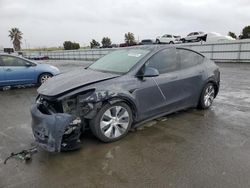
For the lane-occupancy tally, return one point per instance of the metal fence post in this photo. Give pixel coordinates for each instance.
(212, 52)
(239, 52)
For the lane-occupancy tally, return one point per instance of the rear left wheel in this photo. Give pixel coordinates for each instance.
(112, 122)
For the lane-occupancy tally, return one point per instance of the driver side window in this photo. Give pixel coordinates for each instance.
(12, 61)
(164, 61)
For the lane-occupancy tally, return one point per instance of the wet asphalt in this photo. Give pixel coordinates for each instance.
(191, 148)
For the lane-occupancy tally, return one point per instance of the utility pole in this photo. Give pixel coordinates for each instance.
(25, 41)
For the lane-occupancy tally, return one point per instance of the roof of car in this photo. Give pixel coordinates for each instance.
(151, 47)
(154, 48)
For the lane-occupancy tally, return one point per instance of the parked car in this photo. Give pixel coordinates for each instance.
(168, 39)
(146, 42)
(119, 91)
(216, 37)
(127, 45)
(8, 50)
(194, 37)
(38, 56)
(15, 70)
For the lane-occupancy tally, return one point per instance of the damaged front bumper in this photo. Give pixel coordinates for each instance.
(55, 132)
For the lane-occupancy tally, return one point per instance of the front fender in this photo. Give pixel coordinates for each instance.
(98, 97)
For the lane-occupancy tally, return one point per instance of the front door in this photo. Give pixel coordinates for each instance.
(150, 99)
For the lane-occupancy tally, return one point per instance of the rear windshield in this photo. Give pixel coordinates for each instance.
(119, 61)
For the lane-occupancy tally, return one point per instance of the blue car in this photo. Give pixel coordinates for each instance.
(15, 70)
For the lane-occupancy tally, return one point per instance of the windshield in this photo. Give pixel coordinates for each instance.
(120, 61)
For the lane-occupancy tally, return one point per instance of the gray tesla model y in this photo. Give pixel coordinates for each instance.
(121, 90)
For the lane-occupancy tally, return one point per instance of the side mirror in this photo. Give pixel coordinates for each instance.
(151, 72)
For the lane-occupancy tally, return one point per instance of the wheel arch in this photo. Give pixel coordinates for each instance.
(216, 86)
(126, 100)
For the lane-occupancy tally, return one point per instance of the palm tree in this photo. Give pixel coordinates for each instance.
(129, 39)
(16, 36)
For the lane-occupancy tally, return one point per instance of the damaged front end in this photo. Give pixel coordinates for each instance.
(58, 124)
(56, 131)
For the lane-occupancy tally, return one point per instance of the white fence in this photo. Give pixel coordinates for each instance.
(233, 51)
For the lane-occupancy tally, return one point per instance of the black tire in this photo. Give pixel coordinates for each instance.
(158, 41)
(207, 96)
(171, 42)
(95, 123)
(42, 78)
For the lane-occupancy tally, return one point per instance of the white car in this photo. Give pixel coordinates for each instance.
(216, 37)
(168, 39)
(194, 37)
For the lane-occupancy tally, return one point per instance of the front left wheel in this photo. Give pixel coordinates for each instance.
(112, 122)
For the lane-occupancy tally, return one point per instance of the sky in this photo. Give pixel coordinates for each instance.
(48, 23)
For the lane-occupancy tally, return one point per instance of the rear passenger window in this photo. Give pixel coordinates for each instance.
(164, 61)
(189, 58)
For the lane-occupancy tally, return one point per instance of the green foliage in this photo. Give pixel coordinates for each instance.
(245, 33)
(68, 45)
(16, 36)
(106, 42)
(231, 34)
(130, 39)
(94, 44)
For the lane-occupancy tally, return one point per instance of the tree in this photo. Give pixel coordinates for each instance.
(94, 44)
(68, 45)
(130, 39)
(16, 36)
(106, 42)
(245, 32)
(231, 34)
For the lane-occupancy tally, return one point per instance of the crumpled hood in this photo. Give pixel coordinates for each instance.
(72, 80)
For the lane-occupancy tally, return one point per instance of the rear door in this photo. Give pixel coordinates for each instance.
(192, 75)
(16, 70)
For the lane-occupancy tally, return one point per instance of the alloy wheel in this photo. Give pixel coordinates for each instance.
(44, 78)
(114, 122)
(209, 95)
